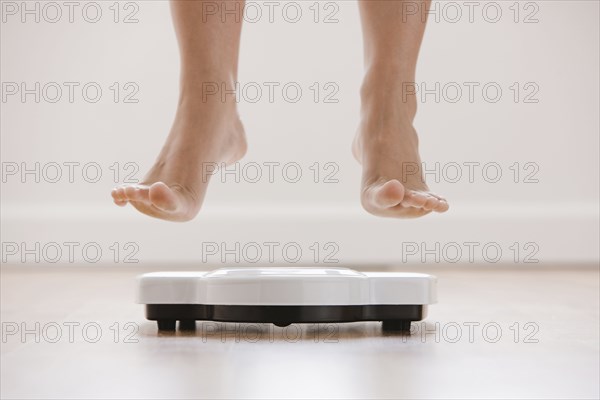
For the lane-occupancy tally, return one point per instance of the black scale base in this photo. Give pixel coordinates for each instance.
(394, 317)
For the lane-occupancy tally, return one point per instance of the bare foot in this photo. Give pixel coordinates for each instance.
(386, 144)
(203, 134)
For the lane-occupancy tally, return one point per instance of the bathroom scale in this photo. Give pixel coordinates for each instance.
(284, 296)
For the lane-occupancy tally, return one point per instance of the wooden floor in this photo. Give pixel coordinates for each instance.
(496, 333)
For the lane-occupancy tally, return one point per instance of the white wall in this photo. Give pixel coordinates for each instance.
(556, 217)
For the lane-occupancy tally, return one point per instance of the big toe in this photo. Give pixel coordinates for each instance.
(163, 197)
(390, 194)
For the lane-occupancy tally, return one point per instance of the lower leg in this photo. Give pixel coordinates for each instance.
(386, 143)
(206, 130)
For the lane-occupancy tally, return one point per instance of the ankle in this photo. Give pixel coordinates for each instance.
(389, 88)
(207, 101)
(208, 88)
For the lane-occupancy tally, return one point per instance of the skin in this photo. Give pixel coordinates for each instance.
(207, 130)
(386, 143)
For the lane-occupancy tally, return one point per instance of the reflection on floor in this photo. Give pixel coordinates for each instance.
(503, 332)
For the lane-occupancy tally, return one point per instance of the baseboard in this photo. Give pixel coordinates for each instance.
(286, 236)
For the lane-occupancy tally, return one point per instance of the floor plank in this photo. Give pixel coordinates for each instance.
(535, 334)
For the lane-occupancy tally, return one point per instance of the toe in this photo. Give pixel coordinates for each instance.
(441, 206)
(430, 203)
(163, 197)
(388, 195)
(113, 194)
(137, 193)
(120, 194)
(414, 199)
(116, 199)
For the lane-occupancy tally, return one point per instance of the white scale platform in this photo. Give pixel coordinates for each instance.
(283, 296)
